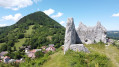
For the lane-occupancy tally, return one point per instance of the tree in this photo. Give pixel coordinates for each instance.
(14, 48)
(3, 47)
(39, 54)
(20, 36)
(9, 49)
(10, 43)
(18, 54)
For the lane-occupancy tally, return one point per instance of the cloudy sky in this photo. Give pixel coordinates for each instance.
(85, 11)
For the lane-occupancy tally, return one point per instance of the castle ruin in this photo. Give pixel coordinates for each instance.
(74, 38)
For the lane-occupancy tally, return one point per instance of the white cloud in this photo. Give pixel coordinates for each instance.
(59, 14)
(3, 25)
(15, 4)
(15, 18)
(37, 1)
(49, 11)
(116, 15)
(15, 9)
(62, 22)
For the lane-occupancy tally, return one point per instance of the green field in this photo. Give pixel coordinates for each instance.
(1, 44)
(21, 41)
(29, 31)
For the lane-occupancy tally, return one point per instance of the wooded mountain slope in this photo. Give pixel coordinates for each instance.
(36, 29)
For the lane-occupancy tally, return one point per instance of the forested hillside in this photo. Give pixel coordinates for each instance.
(113, 34)
(36, 29)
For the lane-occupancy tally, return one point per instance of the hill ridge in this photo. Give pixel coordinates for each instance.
(42, 27)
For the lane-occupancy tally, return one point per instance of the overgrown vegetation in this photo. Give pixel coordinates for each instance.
(115, 43)
(81, 59)
(112, 52)
(35, 62)
(39, 54)
(16, 55)
(78, 59)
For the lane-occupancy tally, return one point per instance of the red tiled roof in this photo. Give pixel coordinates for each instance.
(32, 55)
(43, 47)
(3, 53)
(33, 51)
(50, 48)
(6, 57)
(18, 61)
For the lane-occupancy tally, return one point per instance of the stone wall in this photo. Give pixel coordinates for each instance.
(90, 35)
(70, 34)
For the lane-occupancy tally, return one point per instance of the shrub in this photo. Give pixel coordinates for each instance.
(81, 59)
(39, 54)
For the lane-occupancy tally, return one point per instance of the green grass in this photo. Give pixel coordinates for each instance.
(99, 56)
(20, 43)
(110, 51)
(29, 31)
(77, 59)
(56, 59)
(49, 38)
(1, 44)
(15, 30)
(113, 53)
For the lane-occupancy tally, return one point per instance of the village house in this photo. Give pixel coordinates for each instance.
(26, 50)
(3, 53)
(18, 61)
(6, 59)
(24, 47)
(51, 45)
(43, 47)
(31, 53)
(12, 60)
(50, 48)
